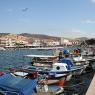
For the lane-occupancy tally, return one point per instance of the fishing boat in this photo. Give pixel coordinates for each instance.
(23, 73)
(75, 55)
(47, 64)
(42, 61)
(79, 60)
(46, 74)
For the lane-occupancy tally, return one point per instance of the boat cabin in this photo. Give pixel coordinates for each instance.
(42, 60)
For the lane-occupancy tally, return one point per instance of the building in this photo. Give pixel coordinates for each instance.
(68, 42)
(6, 42)
(13, 40)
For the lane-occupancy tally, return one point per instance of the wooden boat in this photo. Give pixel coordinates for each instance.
(49, 90)
(24, 73)
(48, 64)
(29, 74)
(42, 60)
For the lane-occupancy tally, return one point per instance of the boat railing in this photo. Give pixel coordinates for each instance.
(8, 92)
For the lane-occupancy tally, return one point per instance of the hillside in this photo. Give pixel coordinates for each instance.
(4, 34)
(39, 36)
(82, 38)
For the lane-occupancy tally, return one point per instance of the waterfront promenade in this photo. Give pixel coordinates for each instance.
(91, 89)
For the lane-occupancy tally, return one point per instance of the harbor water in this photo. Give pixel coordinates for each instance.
(15, 58)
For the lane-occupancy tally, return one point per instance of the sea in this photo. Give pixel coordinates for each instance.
(15, 58)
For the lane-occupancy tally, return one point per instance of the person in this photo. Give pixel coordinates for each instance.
(60, 56)
(79, 50)
(67, 60)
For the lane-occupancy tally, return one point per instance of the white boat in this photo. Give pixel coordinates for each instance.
(79, 60)
(49, 64)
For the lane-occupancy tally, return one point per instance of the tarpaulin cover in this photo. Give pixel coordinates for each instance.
(17, 84)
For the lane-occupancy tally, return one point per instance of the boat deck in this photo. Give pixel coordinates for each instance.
(91, 89)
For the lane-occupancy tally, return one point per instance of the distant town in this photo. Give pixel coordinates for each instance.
(8, 40)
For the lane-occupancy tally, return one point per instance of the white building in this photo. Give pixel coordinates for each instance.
(65, 42)
(6, 42)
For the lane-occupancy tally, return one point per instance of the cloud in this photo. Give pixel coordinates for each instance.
(93, 1)
(73, 33)
(76, 31)
(81, 33)
(89, 21)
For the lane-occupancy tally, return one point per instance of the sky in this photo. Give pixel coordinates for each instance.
(62, 18)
